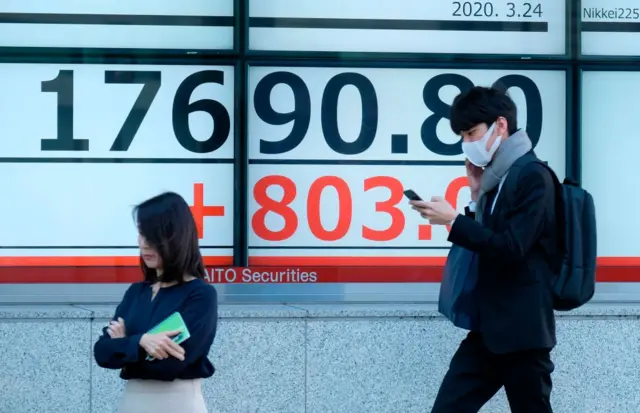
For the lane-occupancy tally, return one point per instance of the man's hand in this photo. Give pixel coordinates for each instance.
(438, 211)
(116, 329)
(474, 174)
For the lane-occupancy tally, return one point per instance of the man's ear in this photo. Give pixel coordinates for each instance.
(498, 130)
(502, 126)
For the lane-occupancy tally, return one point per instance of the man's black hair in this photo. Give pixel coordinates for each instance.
(482, 105)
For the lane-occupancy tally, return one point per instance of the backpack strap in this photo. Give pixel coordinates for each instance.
(514, 172)
(511, 181)
(511, 185)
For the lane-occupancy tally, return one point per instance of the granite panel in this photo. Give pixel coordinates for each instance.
(359, 364)
(597, 366)
(347, 358)
(387, 365)
(260, 366)
(45, 364)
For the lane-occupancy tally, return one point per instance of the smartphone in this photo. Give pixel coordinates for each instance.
(409, 193)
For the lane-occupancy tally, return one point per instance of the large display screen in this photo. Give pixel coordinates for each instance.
(294, 140)
(610, 27)
(610, 148)
(131, 24)
(83, 144)
(409, 26)
(332, 149)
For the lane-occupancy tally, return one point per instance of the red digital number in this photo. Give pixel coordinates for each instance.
(389, 207)
(345, 214)
(282, 208)
(345, 211)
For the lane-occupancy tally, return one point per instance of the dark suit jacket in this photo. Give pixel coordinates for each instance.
(513, 294)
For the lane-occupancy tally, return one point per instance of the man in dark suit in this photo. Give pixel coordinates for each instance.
(511, 233)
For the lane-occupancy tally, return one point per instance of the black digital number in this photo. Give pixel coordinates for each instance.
(488, 9)
(182, 109)
(476, 9)
(63, 86)
(533, 102)
(329, 113)
(441, 109)
(538, 10)
(301, 113)
(630, 13)
(529, 8)
(151, 81)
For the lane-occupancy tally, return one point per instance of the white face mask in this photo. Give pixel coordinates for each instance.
(477, 152)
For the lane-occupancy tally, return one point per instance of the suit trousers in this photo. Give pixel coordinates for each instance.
(475, 375)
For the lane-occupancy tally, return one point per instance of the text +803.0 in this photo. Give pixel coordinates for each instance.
(343, 167)
(345, 208)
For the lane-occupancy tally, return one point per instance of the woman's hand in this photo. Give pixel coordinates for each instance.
(161, 346)
(116, 329)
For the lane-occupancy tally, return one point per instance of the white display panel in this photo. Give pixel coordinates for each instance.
(610, 151)
(610, 27)
(132, 24)
(335, 143)
(82, 144)
(409, 26)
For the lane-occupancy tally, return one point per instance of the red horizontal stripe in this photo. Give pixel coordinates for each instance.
(272, 274)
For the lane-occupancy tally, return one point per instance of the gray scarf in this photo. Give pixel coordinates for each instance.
(508, 152)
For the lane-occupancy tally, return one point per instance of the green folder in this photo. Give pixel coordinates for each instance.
(171, 323)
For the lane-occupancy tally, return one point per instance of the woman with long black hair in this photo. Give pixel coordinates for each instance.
(161, 375)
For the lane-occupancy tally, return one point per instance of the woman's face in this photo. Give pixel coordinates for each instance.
(149, 255)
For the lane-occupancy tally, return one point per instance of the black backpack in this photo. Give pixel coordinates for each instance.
(574, 262)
